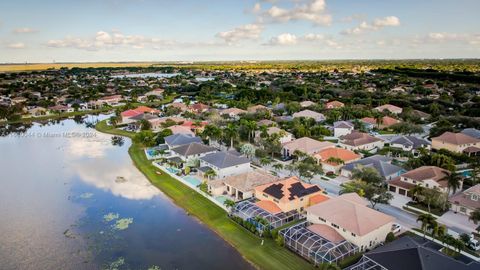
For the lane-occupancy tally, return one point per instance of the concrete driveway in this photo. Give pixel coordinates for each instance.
(457, 222)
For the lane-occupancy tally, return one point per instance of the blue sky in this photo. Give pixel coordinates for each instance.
(189, 30)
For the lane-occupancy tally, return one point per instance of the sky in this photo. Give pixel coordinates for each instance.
(194, 30)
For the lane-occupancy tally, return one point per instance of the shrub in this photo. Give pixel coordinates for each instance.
(390, 237)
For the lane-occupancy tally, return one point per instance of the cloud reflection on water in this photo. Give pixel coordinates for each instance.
(101, 167)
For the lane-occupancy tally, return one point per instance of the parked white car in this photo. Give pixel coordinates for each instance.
(474, 243)
(396, 228)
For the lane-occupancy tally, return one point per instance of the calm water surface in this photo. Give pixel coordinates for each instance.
(69, 199)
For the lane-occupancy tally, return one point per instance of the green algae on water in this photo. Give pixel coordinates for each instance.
(110, 216)
(122, 224)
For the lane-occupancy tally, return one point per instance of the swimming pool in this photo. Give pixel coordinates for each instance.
(173, 170)
(221, 199)
(192, 180)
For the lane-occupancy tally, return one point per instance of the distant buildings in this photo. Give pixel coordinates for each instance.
(334, 105)
(390, 108)
(318, 117)
(341, 128)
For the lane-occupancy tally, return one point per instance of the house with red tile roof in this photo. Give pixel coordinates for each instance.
(385, 122)
(328, 158)
(287, 195)
(334, 105)
(199, 108)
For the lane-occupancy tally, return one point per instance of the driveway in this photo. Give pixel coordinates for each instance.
(457, 222)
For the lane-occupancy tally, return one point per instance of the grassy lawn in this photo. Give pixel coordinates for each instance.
(268, 256)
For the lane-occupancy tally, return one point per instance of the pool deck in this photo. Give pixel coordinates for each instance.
(190, 185)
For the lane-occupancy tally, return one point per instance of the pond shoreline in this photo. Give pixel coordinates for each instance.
(266, 256)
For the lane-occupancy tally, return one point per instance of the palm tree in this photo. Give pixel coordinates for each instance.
(454, 182)
(212, 133)
(335, 160)
(229, 203)
(265, 161)
(416, 191)
(210, 174)
(475, 216)
(231, 132)
(114, 121)
(328, 266)
(426, 220)
(277, 166)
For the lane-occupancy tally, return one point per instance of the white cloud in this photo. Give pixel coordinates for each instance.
(311, 10)
(472, 39)
(244, 32)
(376, 25)
(314, 37)
(283, 39)
(256, 8)
(16, 45)
(105, 40)
(24, 30)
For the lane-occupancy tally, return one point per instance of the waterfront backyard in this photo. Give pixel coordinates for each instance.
(266, 256)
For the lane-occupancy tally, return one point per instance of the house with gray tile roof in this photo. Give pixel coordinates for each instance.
(225, 164)
(411, 253)
(191, 151)
(180, 139)
(409, 143)
(382, 164)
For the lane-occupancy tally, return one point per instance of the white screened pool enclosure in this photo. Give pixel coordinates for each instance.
(314, 247)
(249, 211)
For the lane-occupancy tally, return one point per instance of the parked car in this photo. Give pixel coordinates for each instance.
(396, 228)
(474, 243)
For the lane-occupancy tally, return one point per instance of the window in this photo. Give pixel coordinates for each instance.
(354, 235)
(321, 219)
(301, 199)
(474, 197)
(335, 226)
(275, 200)
(265, 195)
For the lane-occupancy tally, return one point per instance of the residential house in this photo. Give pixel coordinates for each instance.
(224, 164)
(181, 106)
(382, 164)
(257, 108)
(18, 100)
(307, 103)
(421, 115)
(192, 151)
(37, 111)
(385, 122)
(328, 159)
(390, 108)
(109, 100)
(354, 222)
(61, 109)
(456, 142)
(179, 129)
(266, 122)
(157, 93)
(233, 113)
(409, 143)
(360, 141)
(412, 254)
(425, 176)
(466, 201)
(199, 108)
(306, 145)
(334, 105)
(127, 115)
(285, 136)
(318, 117)
(287, 195)
(240, 186)
(175, 140)
(341, 128)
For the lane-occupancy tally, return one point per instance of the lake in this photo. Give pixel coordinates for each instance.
(72, 200)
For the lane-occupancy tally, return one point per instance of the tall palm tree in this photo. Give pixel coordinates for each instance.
(277, 166)
(454, 182)
(210, 174)
(416, 191)
(231, 132)
(426, 220)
